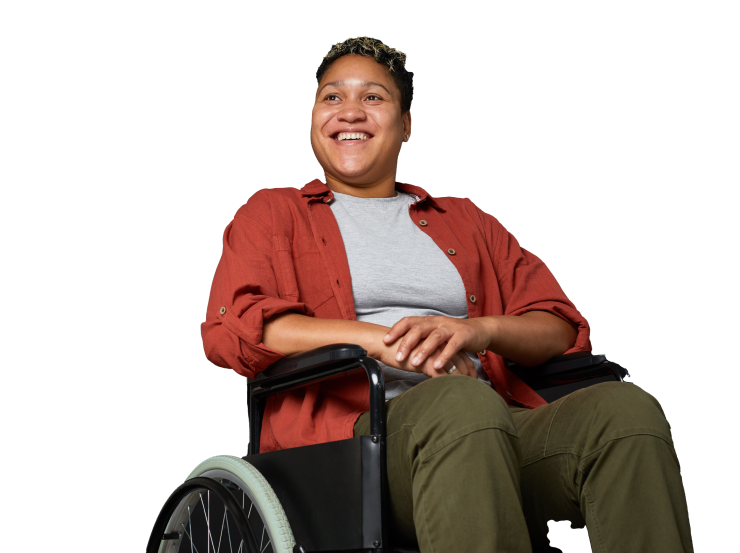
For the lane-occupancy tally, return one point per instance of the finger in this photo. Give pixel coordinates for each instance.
(431, 372)
(459, 364)
(436, 338)
(455, 343)
(457, 368)
(427, 367)
(464, 366)
(411, 339)
(469, 364)
(399, 329)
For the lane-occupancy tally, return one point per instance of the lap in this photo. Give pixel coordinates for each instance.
(584, 421)
(578, 423)
(553, 443)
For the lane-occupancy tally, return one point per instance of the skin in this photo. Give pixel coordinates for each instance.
(358, 94)
(368, 169)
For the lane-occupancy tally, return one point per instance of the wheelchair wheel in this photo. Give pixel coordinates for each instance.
(224, 505)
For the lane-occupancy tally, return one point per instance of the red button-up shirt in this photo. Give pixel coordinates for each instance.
(284, 252)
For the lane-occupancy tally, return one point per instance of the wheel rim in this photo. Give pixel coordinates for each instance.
(202, 522)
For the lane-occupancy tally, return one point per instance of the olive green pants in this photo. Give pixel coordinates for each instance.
(467, 473)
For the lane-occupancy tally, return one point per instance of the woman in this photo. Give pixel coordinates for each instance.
(440, 293)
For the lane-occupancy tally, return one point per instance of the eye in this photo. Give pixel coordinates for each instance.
(332, 97)
(329, 96)
(374, 98)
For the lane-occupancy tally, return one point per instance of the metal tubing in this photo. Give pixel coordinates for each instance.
(377, 396)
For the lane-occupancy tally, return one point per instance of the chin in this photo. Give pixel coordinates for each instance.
(350, 170)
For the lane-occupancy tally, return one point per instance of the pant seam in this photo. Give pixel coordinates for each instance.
(594, 522)
(426, 529)
(458, 437)
(584, 456)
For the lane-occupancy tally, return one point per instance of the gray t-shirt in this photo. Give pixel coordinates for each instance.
(397, 271)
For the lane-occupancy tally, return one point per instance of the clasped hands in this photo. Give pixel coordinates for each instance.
(432, 345)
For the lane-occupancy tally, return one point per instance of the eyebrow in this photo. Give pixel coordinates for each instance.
(362, 84)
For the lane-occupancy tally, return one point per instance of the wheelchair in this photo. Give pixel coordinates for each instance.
(324, 497)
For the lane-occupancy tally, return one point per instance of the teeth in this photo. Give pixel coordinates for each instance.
(352, 136)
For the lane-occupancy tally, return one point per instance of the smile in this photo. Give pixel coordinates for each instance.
(351, 137)
(351, 142)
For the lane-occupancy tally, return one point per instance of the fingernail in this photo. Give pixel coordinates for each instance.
(387, 336)
(399, 356)
(416, 360)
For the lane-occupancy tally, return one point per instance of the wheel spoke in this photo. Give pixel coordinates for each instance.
(190, 524)
(191, 540)
(221, 533)
(194, 521)
(231, 547)
(208, 520)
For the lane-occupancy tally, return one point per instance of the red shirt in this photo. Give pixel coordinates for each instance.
(284, 252)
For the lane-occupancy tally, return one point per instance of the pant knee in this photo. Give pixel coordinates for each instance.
(458, 405)
(621, 408)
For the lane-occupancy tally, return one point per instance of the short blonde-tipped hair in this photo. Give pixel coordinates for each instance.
(385, 55)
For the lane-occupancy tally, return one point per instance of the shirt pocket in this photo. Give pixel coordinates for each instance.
(285, 273)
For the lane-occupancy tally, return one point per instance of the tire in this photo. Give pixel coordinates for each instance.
(199, 520)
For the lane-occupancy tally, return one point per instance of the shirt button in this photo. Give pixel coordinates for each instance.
(472, 299)
(451, 251)
(423, 223)
(508, 393)
(222, 310)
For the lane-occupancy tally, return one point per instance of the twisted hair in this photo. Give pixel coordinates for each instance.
(385, 55)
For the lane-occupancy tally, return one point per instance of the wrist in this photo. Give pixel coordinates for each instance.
(373, 341)
(491, 329)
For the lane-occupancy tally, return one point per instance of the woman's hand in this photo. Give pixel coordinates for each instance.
(444, 339)
(462, 363)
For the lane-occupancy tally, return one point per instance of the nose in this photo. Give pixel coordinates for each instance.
(351, 112)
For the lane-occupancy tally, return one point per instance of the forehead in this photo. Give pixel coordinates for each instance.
(358, 68)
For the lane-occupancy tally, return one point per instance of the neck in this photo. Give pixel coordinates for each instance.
(385, 188)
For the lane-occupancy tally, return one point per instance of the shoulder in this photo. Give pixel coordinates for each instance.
(268, 202)
(457, 207)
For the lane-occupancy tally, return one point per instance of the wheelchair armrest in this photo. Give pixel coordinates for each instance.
(308, 366)
(573, 367)
(311, 366)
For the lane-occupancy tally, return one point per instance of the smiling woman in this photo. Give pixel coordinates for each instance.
(358, 127)
(440, 294)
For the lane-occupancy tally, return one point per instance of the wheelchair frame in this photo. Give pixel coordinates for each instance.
(334, 494)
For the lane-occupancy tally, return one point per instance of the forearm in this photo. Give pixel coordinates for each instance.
(529, 339)
(291, 333)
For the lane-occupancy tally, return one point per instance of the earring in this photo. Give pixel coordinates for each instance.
(406, 138)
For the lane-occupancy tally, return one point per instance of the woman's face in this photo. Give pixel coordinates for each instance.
(357, 126)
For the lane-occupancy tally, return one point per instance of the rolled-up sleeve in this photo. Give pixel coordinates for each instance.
(526, 284)
(245, 292)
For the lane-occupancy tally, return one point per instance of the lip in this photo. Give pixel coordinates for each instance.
(333, 135)
(350, 143)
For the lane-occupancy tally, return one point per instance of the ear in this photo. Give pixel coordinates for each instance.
(406, 118)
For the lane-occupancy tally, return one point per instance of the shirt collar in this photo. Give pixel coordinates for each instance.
(318, 191)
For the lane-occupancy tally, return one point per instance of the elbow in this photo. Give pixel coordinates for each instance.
(567, 338)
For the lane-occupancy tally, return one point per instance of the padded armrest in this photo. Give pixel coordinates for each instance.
(569, 368)
(557, 376)
(309, 366)
(330, 360)
(327, 356)
(312, 366)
